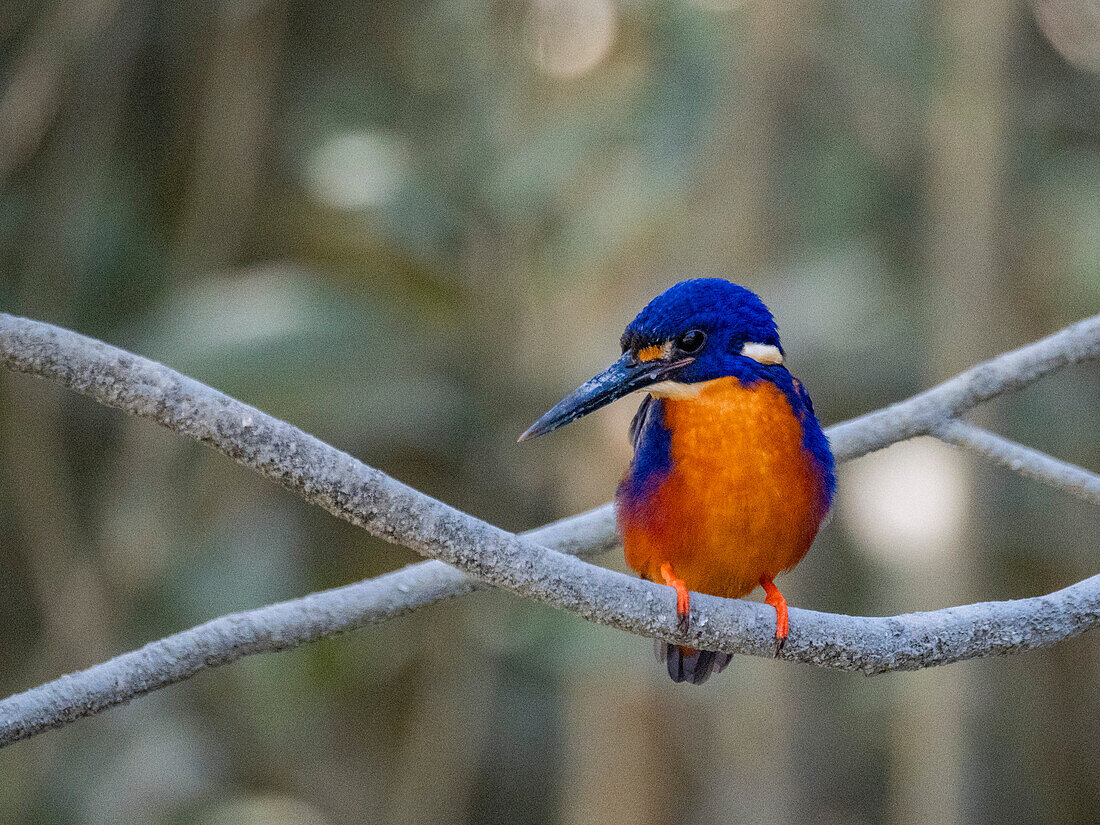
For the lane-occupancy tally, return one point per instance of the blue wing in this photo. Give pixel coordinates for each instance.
(640, 419)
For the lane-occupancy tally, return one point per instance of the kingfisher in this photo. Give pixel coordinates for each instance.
(732, 474)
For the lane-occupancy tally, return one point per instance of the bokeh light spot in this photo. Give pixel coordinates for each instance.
(356, 170)
(908, 504)
(1073, 28)
(571, 37)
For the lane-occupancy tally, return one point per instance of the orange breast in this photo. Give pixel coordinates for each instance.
(742, 497)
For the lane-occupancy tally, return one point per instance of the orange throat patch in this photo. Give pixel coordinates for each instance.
(742, 497)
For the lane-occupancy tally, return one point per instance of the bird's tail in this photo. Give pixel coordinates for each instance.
(687, 664)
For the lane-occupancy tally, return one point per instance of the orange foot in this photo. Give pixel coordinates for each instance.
(683, 598)
(775, 599)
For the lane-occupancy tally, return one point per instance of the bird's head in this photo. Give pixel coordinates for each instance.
(693, 332)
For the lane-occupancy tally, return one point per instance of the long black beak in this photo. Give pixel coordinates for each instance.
(622, 378)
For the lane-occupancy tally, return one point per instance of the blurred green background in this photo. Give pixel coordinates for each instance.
(409, 227)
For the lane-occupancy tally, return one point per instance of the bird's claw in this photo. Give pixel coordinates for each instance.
(782, 622)
(683, 596)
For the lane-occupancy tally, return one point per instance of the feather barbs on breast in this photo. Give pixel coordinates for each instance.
(740, 496)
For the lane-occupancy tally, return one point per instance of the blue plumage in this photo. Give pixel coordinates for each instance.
(713, 305)
(731, 316)
(732, 473)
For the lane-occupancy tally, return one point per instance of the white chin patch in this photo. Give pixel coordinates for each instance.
(674, 389)
(762, 353)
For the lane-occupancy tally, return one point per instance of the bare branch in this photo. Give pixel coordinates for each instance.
(1024, 460)
(872, 645)
(228, 638)
(385, 507)
(920, 414)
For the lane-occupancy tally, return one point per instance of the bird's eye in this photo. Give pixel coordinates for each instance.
(691, 341)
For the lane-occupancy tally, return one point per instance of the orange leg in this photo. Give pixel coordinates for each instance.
(683, 598)
(773, 597)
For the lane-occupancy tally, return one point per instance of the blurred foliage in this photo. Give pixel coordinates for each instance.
(409, 227)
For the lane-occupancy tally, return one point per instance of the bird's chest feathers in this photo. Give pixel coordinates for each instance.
(722, 469)
(726, 440)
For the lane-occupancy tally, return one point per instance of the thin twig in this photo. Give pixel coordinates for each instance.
(226, 639)
(385, 507)
(1026, 461)
(920, 414)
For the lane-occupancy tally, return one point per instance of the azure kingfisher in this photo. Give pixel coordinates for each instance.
(732, 474)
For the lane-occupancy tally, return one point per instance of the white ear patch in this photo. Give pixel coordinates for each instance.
(762, 353)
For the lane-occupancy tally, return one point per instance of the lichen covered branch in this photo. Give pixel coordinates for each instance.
(537, 565)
